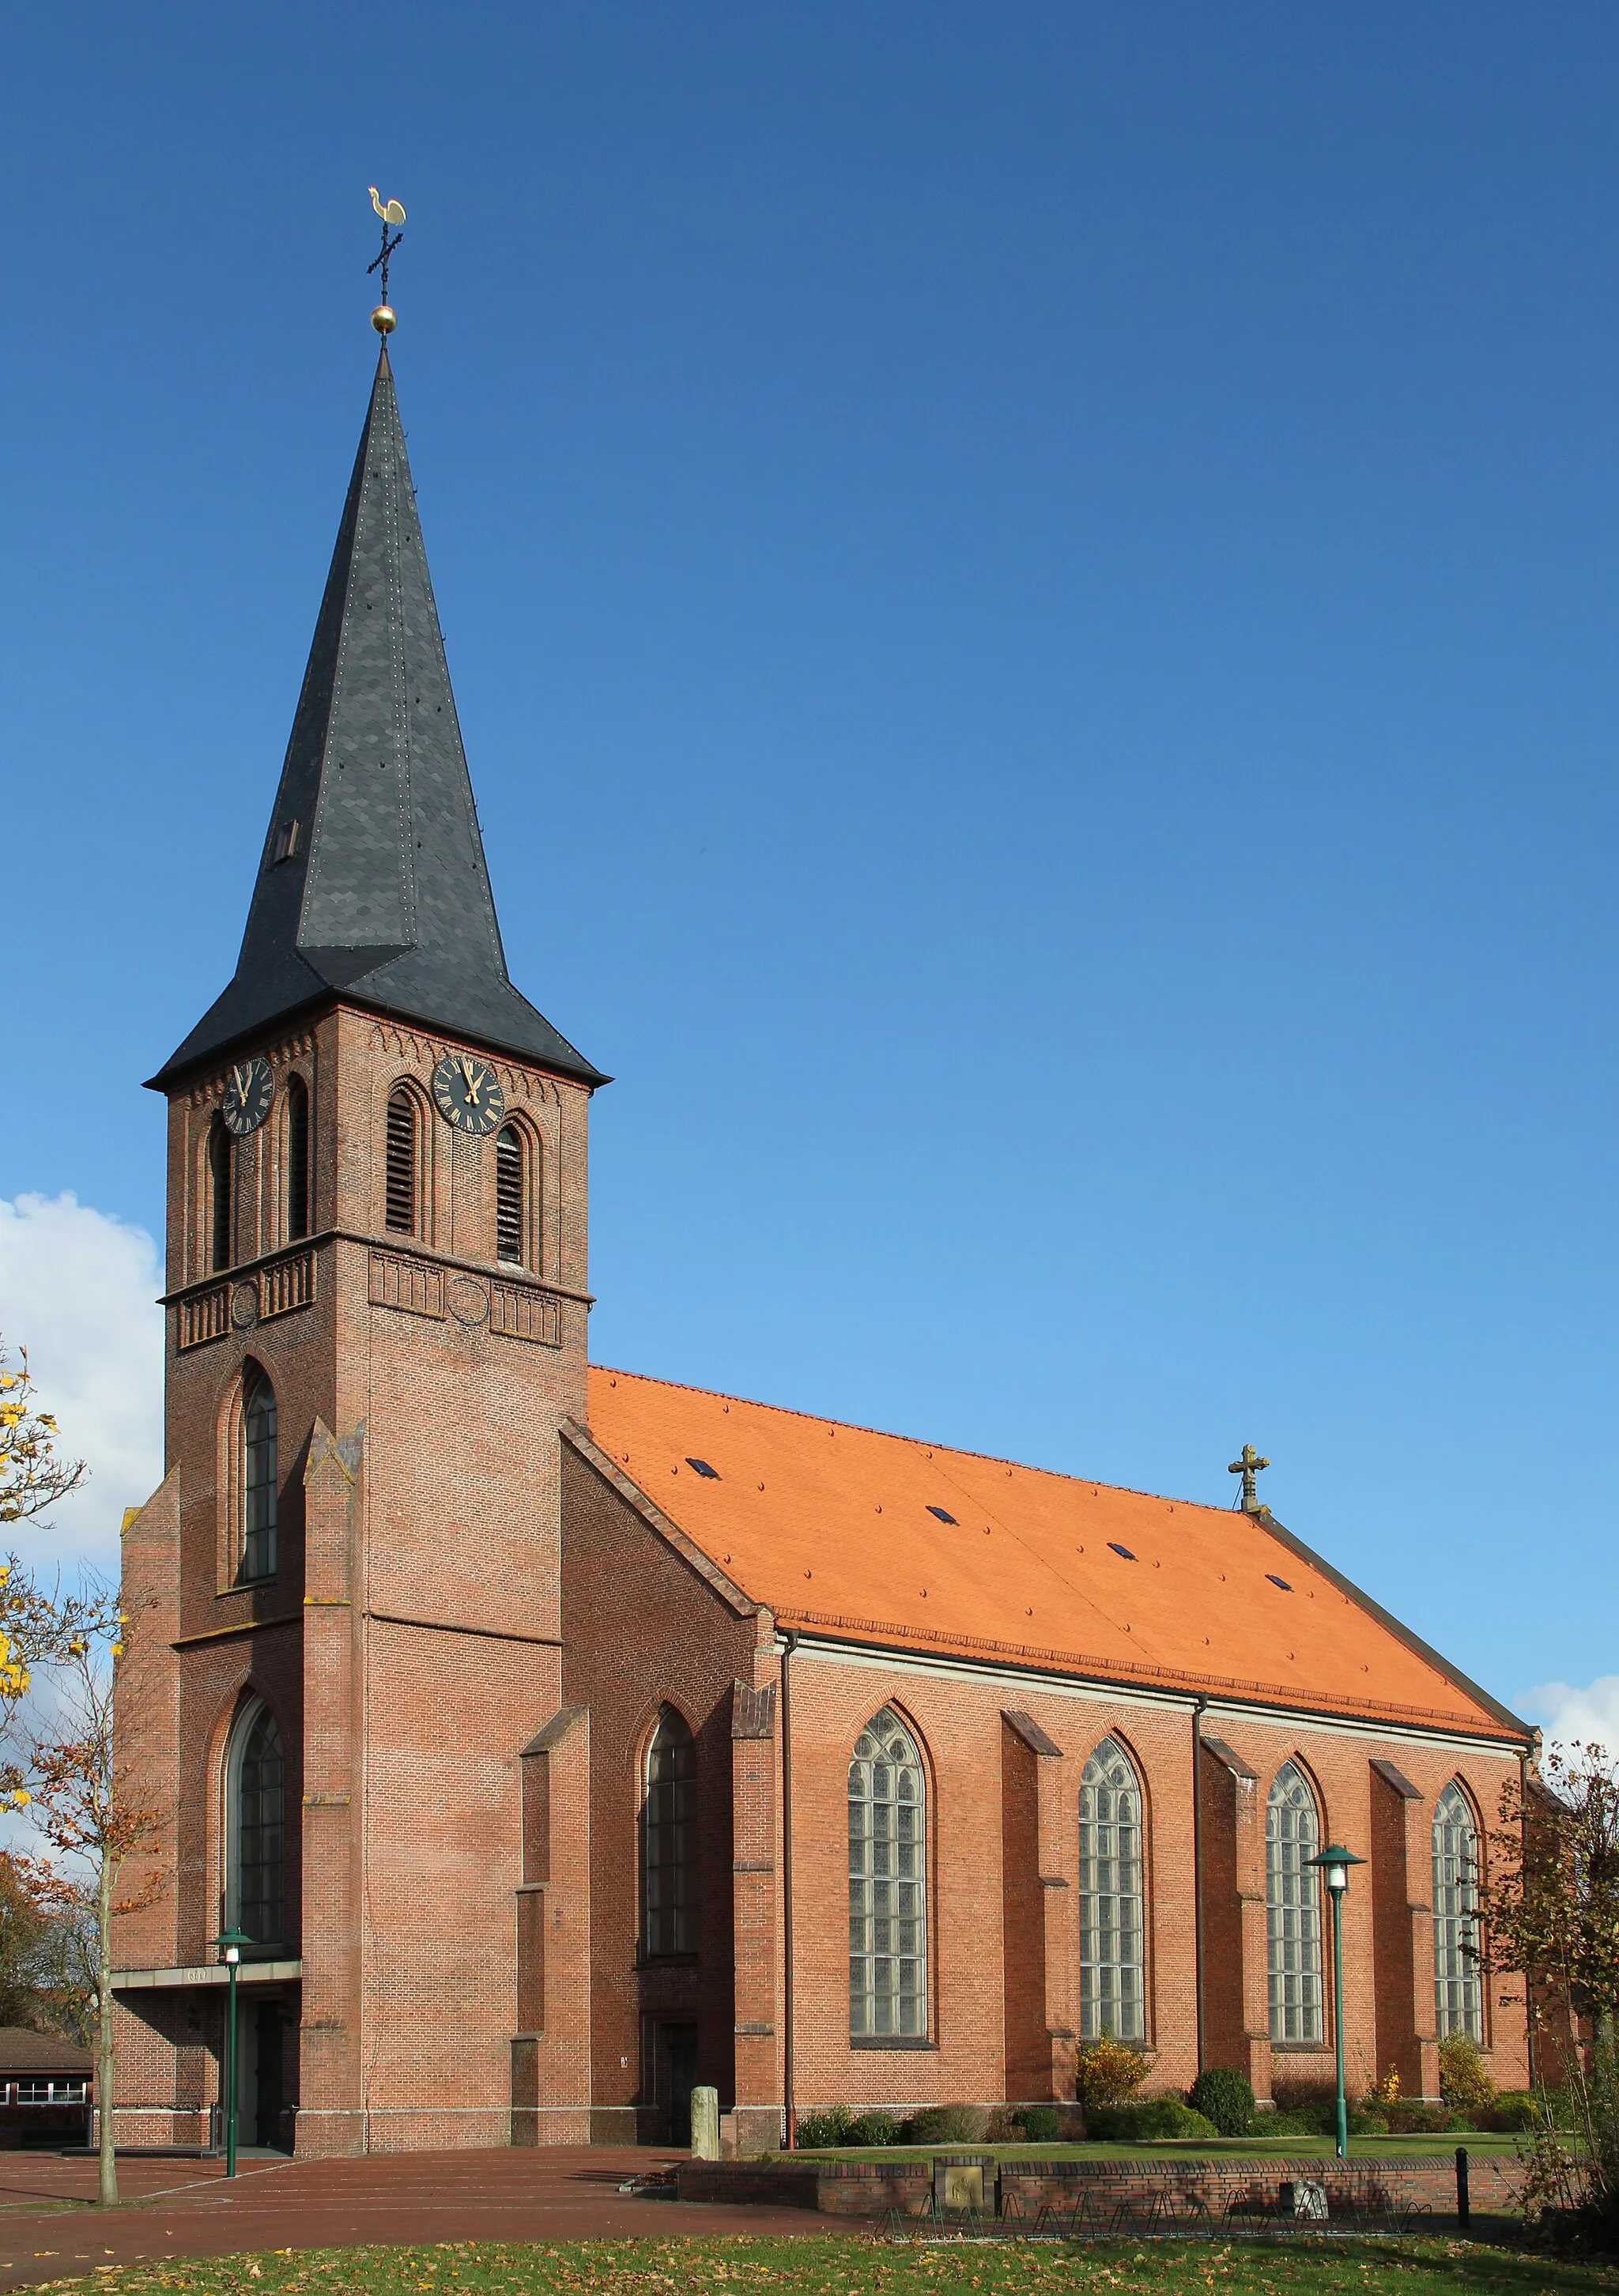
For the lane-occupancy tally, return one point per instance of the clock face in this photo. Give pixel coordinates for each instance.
(468, 1093)
(248, 1090)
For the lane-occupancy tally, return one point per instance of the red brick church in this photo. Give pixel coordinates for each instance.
(562, 1737)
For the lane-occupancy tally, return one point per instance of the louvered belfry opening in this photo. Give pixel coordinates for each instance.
(219, 1176)
(298, 1158)
(402, 1163)
(508, 1196)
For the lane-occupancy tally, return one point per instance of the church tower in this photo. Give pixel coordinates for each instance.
(345, 1597)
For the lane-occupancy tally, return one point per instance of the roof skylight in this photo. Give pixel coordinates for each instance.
(701, 1467)
(943, 1513)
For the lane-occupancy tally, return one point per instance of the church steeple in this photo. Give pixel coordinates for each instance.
(372, 881)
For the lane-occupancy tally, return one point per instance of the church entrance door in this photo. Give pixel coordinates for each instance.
(266, 2072)
(678, 2048)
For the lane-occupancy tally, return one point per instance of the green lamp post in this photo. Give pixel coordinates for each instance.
(1335, 1862)
(230, 1943)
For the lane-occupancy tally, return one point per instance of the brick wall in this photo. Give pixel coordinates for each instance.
(461, 1574)
(409, 1642)
(643, 1627)
(982, 1845)
(860, 2188)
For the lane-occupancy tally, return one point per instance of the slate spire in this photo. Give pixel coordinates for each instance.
(372, 881)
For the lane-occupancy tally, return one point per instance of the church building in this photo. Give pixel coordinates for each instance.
(558, 1737)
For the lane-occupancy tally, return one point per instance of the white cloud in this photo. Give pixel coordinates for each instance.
(77, 1289)
(1574, 1716)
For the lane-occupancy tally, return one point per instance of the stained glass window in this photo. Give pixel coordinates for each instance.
(1111, 1929)
(1458, 1996)
(1293, 1909)
(255, 1896)
(887, 1881)
(670, 1838)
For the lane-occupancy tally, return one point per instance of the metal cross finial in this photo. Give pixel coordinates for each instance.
(1248, 1467)
(391, 214)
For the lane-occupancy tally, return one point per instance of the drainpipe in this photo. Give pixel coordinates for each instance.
(1197, 1712)
(786, 1886)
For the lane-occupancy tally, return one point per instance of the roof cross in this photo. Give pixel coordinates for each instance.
(1248, 1467)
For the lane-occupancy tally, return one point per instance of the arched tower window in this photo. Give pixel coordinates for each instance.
(510, 1188)
(670, 1840)
(1458, 1996)
(220, 1175)
(254, 1830)
(258, 1476)
(887, 1881)
(1293, 1909)
(298, 1158)
(403, 1160)
(1111, 1929)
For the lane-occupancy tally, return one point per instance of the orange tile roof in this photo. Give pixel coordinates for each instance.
(841, 1530)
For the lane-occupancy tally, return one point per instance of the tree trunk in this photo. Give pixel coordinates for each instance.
(107, 2192)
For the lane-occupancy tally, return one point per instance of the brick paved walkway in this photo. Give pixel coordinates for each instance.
(187, 2208)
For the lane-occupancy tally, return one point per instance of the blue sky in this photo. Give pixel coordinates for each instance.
(1031, 593)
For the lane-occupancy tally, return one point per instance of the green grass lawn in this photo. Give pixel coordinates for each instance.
(866, 2266)
(1198, 2148)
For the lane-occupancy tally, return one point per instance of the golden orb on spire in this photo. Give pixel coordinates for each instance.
(382, 320)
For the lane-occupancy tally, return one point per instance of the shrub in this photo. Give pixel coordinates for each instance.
(1363, 2123)
(1384, 2092)
(950, 2124)
(1464, 2079)
(872, 2129)
(1105, 2071)
(1514, 2109)
(1226, 2097)
(1041, 2124)
(1149, 2121)
(830, 2126)
(1418, 2120)
(1300, 2121)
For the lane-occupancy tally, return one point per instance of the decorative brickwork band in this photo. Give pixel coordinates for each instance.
(207, 1316)
(276, 1289)
(286, 1284)
(517, 1311)
(414, 1285)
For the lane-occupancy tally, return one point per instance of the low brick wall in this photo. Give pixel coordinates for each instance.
(865, 2188)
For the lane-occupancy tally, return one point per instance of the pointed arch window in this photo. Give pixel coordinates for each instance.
(511, 1188)
(258, 1475)
(403, 1159)
(221, 1171)
(255, 1833)
(1458, 1994)
(298, 1158)
(1112, 1932)
(887, 1883)
(1293, 1909)
(670, 1840)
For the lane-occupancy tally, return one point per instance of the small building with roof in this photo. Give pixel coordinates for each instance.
(47, 2090)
